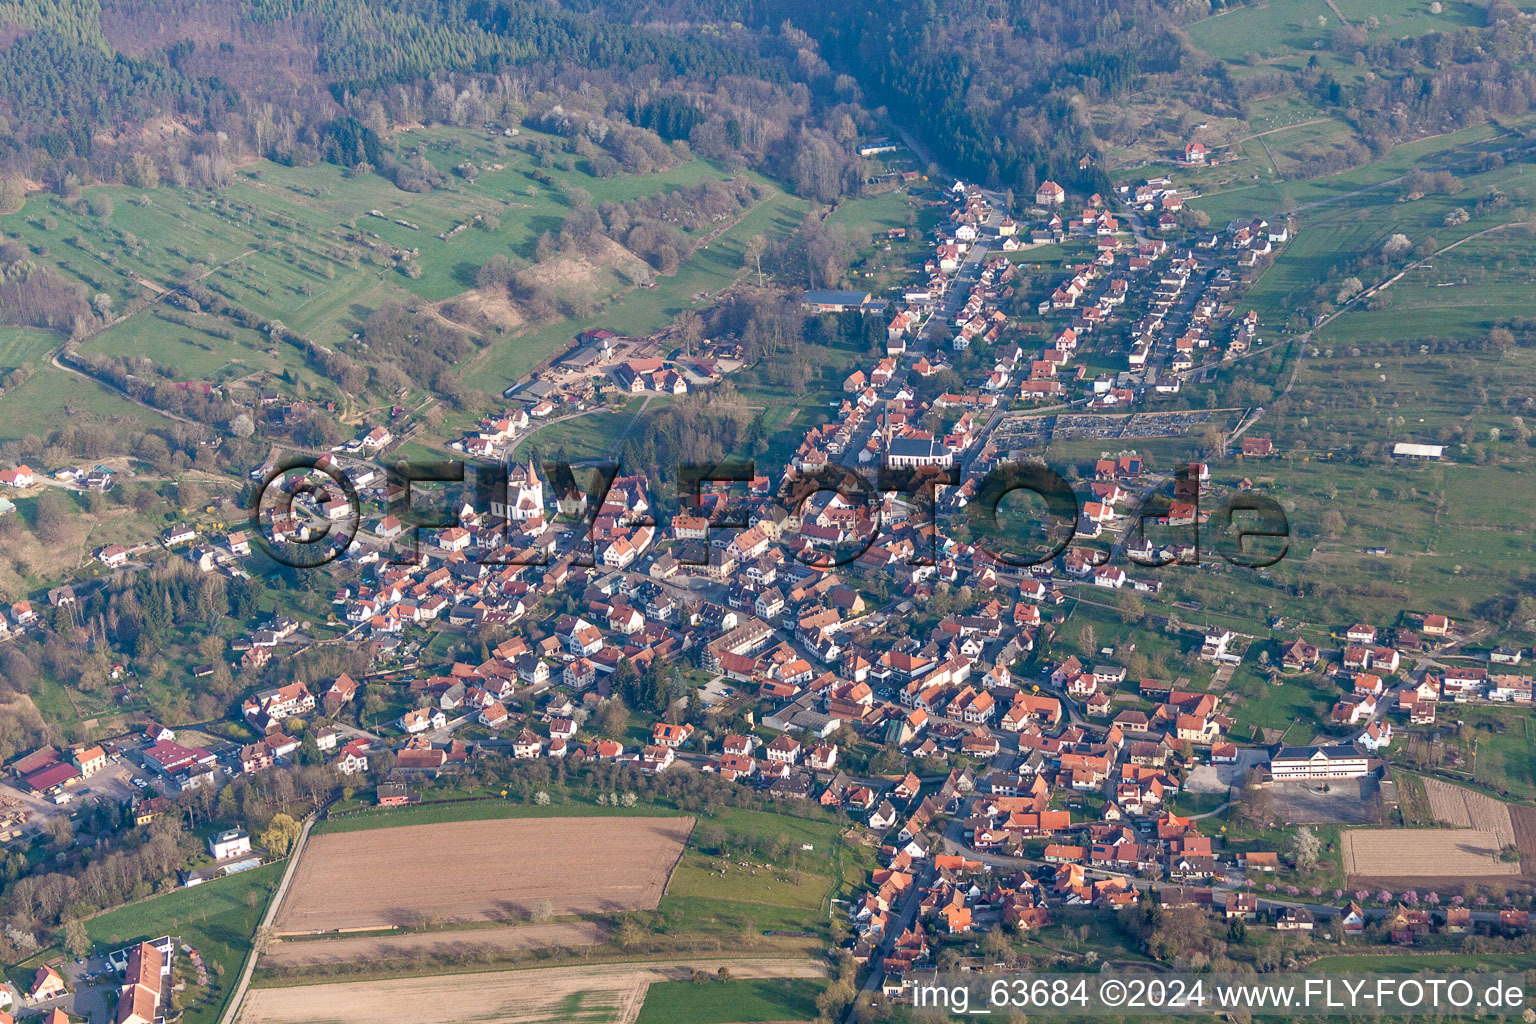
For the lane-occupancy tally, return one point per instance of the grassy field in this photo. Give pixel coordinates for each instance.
(592, 434)
(216, 918)
(1279, 28)
(1506, 749)
(742, 828)
(1399, 962)
(1197, 803)
(476, 810)
(874, 215)
(51, 397)
(640, 311)
(22, 346)
(1349, 223)
(186, 343)
(1284, 708)
(1462, 293)
(1166, 656)
(731, 1002)
(1109, 939)
(1269, 29)
(1454, 532)
(1255, 186)
(770, 882)
(713, 878)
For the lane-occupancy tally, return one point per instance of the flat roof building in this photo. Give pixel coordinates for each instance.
(1406, 450)
(827, 301)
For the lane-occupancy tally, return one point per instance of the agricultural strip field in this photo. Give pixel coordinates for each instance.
(1466, 808)
(1412, 800)
(1352, 225)
(596, 994)
(436, 945)
(1424, 853)
(480, 871)
(1524, 821)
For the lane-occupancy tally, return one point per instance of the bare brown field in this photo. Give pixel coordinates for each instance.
(1467, 808)
(608, 267)
(480, 871)
(574, 272)
(1424, 853)
(483, 308)
(608, 992)
(1524, 821)
(515, 939)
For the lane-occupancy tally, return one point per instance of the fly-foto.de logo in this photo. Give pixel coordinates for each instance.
(309, 512)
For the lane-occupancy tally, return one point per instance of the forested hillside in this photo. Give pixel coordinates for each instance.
(1000, 91)
(1016, 93)
(1011, 94)
(79, 21)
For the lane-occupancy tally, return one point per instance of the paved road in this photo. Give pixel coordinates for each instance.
(445, 734)
(922, 151)
(232, 1008)
(893, 928)
(1138, 227)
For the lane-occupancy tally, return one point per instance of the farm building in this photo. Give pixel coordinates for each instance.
(823, 301)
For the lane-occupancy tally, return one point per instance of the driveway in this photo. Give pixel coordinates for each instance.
(95, 1002)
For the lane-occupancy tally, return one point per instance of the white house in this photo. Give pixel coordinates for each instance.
(229, 844)
(1376, 736)
(422, 719)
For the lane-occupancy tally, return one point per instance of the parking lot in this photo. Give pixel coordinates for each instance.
(93, 989)
(1343, 801)
(723, 696)
(1217, 778)
(114, 783)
